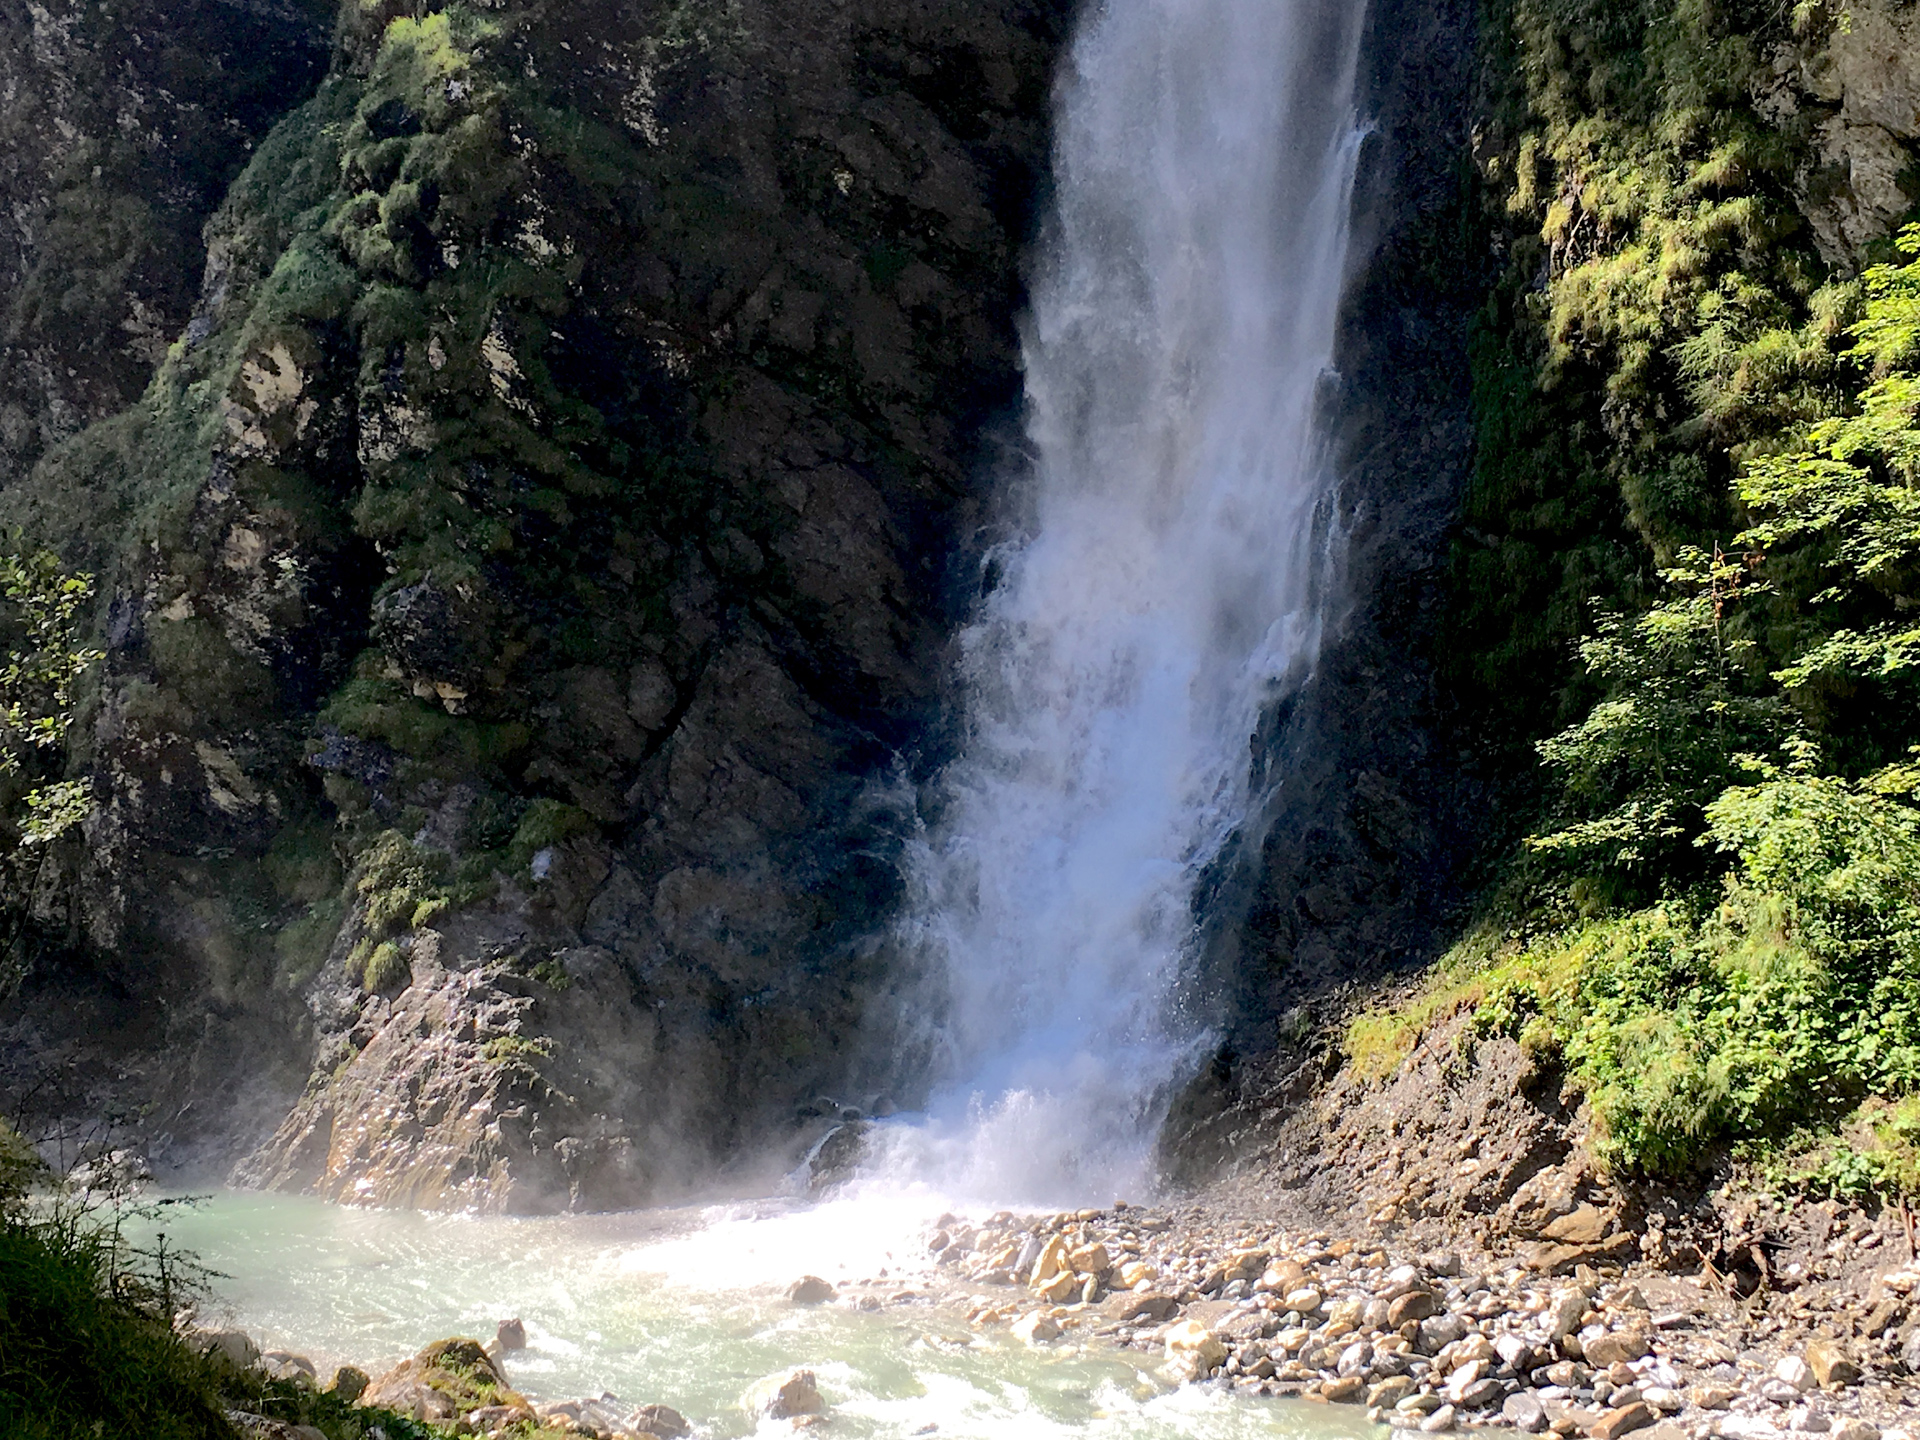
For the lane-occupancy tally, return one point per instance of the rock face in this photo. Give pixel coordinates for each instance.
(524, 578)
(1346, 872)
(120, 129)
(1858, 87)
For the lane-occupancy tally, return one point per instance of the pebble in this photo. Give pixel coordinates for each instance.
(1434, 1341)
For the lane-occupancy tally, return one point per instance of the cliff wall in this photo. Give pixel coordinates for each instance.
(524, 575)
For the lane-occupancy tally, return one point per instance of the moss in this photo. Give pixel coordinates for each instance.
(301, 864)
(511, 1049)
(547, 823)
(377, 708)
(301, 945)
(395, 879)
(386, 968)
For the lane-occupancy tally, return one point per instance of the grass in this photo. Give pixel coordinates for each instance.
(87, 1345)
(1696, 1032)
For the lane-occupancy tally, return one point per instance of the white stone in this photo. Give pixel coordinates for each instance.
(1796, 1372)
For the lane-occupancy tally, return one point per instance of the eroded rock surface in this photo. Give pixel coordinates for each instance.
(537, 546)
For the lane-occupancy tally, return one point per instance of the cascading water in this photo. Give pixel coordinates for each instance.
(1177, 538)
(1177, 522)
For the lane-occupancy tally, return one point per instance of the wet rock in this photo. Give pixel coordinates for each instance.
(1389, 1392)
(1133, 1306)
(510, 1335)
(810, 1290)
(785, 1396)
(1346, 1390)
(661, 1420)
(1193, 1346)
(836, 1158)
(1036, 1328)
(1439, 1421)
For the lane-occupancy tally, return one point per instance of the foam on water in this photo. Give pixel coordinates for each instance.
(685, 1308)
(1175, 538)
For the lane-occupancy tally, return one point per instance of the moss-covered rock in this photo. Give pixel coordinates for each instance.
(550, 504)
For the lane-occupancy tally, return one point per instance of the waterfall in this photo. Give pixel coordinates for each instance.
(1163, 585)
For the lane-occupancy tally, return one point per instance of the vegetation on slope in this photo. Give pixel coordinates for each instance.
(87, 1343)
(1690, 543)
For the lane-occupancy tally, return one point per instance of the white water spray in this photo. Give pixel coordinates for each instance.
(1183, 320)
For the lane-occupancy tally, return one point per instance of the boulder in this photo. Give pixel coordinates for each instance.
(1616, 1347)
(1830, 1364)
(1090, 1260)
(1062, 1289)
(1524, 1412)
(1795, 1372)
(662, 1420)
(1482, 1394)
(280, 1365)
(1346, 1390)
(510, 1335)
(1565, 1317)
(445, 1380)
(349, 1383)
(1133, 1306)
(235, 1347)
(1389, 1392)
(1622, 1420)
(787, 1396)
(1036, 1328)
(1194, 1345)
(810, 1290)
(1051, 1260)
(1414, 1305)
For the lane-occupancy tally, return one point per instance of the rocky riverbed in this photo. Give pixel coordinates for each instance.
(1438, 1340)
(1421, 1340)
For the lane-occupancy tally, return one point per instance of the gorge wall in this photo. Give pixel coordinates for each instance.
(524, 581)
(535, 455)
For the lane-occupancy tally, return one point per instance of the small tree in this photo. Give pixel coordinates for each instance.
(40, 621)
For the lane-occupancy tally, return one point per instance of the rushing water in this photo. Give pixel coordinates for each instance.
(684, 1308)
(1175, 538)
(1176, 541)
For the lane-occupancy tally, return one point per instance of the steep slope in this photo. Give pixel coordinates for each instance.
(526, 578)
(121, 126)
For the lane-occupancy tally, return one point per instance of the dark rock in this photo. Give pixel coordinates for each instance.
(809, 1290)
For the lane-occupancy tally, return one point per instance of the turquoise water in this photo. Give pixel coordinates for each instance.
(686, 1308)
